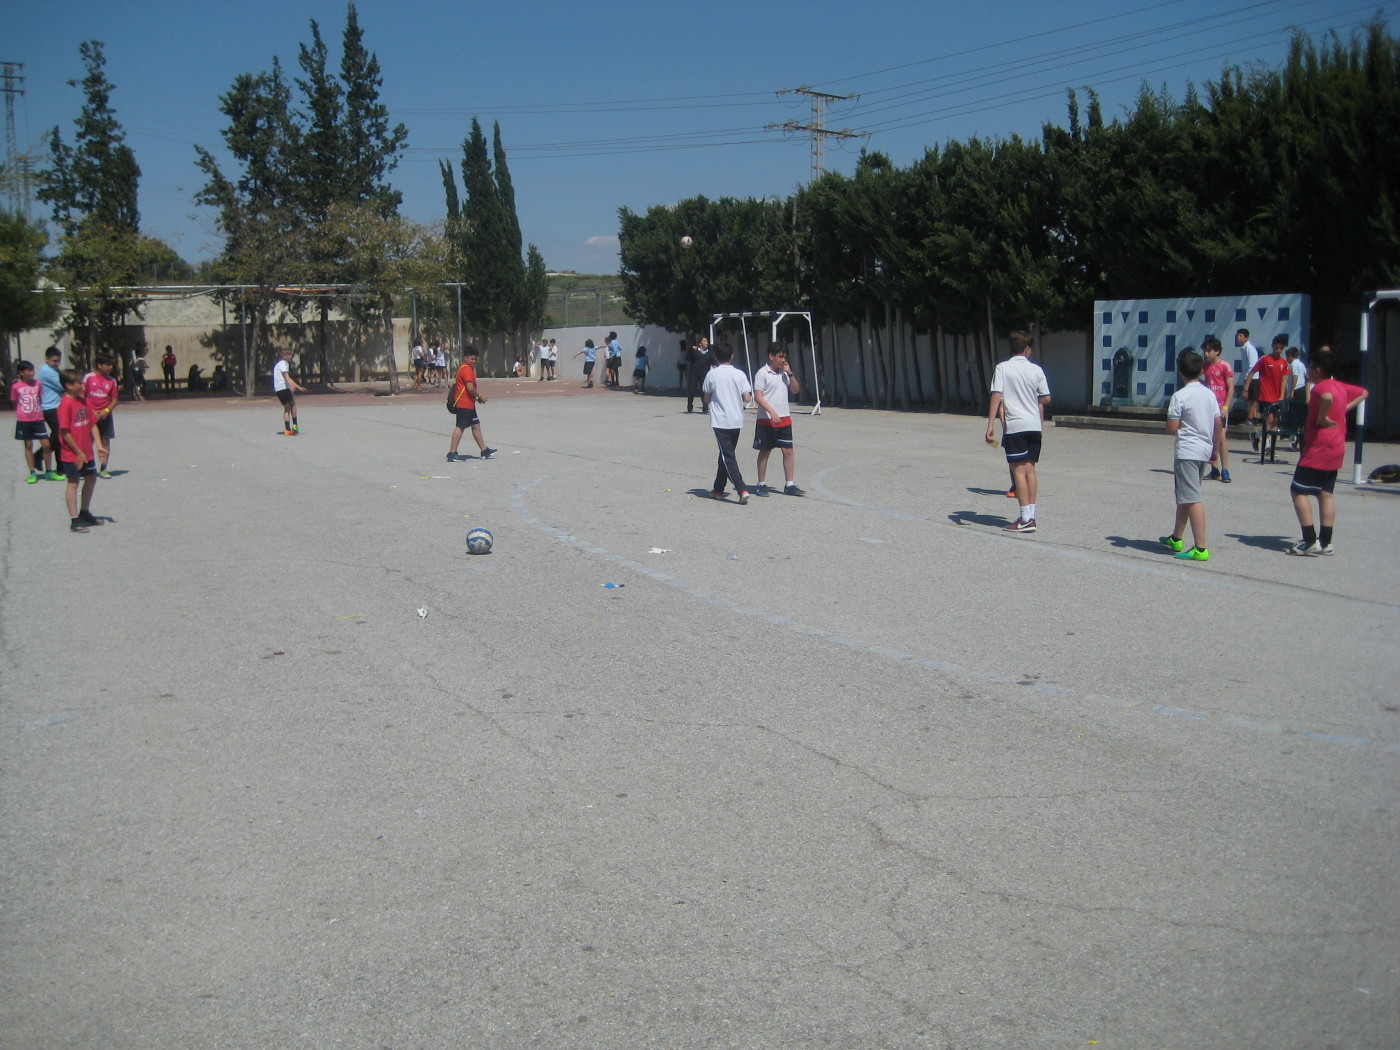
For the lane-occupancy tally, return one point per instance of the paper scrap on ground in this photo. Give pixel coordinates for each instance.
(422, 613)
(660, 550)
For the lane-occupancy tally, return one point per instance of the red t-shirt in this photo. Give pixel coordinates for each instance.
(99, 391)
(1325, 449)
(74, 418)
(461, 396)
(1272, 372)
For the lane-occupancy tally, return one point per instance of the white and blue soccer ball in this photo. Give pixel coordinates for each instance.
(479, 541)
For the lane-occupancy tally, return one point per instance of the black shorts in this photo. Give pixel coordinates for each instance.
(285, 396)
(31, 430)
(51, 418)
(766, 438)
(1309, 481)
(1252, 394)
(467, 418)
(588, 368)
(107, 427)
(73, 472)
(639, 373)
(1022, 447)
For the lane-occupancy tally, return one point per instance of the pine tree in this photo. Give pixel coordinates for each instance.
(92, 188)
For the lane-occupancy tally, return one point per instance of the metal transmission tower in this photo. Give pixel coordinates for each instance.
(816, 128)
(16, 165)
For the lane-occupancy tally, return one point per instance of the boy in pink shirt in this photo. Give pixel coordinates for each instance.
(27, 395)
(100, 392)
(1324, 448)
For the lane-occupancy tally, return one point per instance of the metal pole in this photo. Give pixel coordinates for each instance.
(1361, 408)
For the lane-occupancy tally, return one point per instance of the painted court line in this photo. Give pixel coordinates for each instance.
(517, 500)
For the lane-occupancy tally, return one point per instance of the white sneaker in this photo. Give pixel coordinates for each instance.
(1307, 550)
(1326, 551)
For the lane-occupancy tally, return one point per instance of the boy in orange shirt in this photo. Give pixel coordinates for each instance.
(462, 403)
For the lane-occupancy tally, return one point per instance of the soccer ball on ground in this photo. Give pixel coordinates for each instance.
(687, 240)
(479, 541)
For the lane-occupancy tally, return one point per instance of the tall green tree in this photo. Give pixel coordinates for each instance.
(500, 295)
(25, 302)
(324, 151)
(91, 187)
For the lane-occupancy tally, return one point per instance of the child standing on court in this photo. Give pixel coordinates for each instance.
(462, 403)
(101, 392)
(75, 450)
(1324, 448)
(27, 396)
(639, 371)
(1192, 416)
(286, 389)
(1219, 378)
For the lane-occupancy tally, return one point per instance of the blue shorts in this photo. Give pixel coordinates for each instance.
(107, 427)
(1022, 446)
(73, 472)
(766, 438)
(1309, 481)
(31, 430)
(467, 418)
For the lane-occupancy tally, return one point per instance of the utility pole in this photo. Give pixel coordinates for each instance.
(17, 166)
(817, 127)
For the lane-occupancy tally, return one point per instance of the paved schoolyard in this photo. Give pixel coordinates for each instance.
(282, 766)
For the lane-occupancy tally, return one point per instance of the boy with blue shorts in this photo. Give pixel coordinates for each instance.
(1192, 418)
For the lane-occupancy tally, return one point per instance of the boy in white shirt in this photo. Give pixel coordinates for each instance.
(1192, 416)
(724, 394)
(771, 385)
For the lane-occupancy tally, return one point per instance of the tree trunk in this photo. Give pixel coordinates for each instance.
(388, 312)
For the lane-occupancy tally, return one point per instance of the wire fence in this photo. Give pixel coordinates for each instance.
(567, 308)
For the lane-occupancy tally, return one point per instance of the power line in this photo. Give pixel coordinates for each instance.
(817, 126)
(18, 165)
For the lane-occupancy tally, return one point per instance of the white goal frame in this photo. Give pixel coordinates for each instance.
(775, 318)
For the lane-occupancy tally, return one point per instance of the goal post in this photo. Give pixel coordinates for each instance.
(775, 318)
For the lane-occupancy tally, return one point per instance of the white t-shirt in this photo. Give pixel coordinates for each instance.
(726, 387)
(1300, 375)
(1197, 408)
(279, 374)
(1250, 355)
(1021, 384)
(774, 387)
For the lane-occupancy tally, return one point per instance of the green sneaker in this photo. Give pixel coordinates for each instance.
(31, 479)
(1195, 554)
(54, 475)
(1172, 544)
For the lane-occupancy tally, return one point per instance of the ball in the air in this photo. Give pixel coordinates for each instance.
(479, 541)
(687, 240)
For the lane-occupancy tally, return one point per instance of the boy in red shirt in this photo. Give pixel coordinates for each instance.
(1219, 378)
(75, 450)
(1324, 447)
(1272, 369)
(462, 403)
(100, 392)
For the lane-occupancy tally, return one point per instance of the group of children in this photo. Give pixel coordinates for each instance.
(73, 412)
(430, 365)
(612, 364)
(1196, 417)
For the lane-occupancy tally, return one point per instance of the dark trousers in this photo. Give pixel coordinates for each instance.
(728, 465)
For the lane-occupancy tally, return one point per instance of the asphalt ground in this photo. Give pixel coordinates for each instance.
(283, 766)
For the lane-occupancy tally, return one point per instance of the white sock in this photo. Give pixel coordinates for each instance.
(1028, 512)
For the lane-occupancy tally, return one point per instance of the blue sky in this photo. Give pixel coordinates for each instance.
(637, 103)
